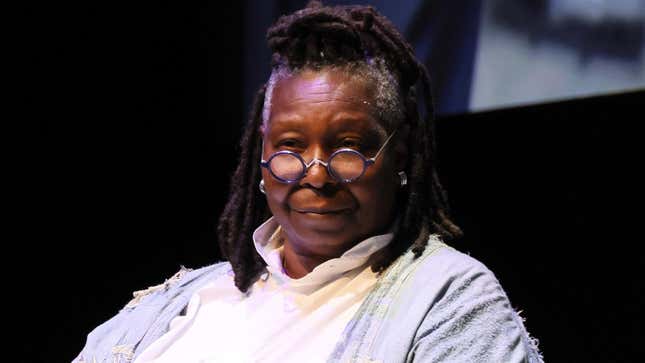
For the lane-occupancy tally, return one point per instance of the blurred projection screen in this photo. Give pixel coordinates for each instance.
(542, 51)
(492, 54)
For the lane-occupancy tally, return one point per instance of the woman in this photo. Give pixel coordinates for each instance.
(337, 187)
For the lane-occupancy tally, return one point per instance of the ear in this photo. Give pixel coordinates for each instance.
(401, 147)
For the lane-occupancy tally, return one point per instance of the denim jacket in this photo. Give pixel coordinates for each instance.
(442, 306)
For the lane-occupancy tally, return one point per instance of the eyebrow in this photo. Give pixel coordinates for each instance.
(369, 123)
(342, 121)
(294, 122)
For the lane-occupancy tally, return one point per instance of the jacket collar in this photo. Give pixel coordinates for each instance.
(267, 243)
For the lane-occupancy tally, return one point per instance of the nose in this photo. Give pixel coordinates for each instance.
(316, 174)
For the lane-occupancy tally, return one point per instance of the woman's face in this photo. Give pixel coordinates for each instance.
(314, 114)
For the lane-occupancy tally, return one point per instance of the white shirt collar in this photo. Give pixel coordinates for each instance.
(267, 243)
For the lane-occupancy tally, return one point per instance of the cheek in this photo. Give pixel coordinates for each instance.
(276, 192)
(376, 197)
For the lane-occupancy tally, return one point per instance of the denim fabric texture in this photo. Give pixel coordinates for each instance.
(443, 306)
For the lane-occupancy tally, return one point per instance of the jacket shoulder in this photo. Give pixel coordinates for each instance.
(182, 279)
(442, 303)
(469, 316)
(147, 315)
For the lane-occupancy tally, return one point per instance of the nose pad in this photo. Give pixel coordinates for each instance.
(315, 162)
(317, 177)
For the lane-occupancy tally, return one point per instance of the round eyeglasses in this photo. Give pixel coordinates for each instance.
(344, 165)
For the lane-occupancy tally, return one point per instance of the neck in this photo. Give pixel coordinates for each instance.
(298, 265)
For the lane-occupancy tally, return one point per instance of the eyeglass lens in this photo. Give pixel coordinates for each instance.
(286, 166)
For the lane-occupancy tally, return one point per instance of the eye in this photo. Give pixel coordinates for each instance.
(289, 144)
(350, 143)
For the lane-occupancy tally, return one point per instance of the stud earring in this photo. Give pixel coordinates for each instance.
(262, 190)
(403, 177)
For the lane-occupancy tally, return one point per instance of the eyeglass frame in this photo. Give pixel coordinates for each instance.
(367, 162)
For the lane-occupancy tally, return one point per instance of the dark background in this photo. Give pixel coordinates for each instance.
(137, 111)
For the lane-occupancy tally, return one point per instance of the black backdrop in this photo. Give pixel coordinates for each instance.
(138, 109)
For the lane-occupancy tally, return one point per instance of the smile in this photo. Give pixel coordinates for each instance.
(322, 211)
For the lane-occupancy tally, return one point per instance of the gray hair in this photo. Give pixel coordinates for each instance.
(388, 101)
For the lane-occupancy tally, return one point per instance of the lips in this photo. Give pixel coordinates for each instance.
(306, 201)
(321, 207)
(321, 211)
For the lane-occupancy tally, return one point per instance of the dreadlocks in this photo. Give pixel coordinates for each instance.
(341, 36)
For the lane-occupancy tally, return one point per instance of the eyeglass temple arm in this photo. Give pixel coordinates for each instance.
(378, 153)
(263, 162)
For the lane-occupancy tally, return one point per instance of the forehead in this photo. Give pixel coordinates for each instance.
(323, 96)
(328, 84)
